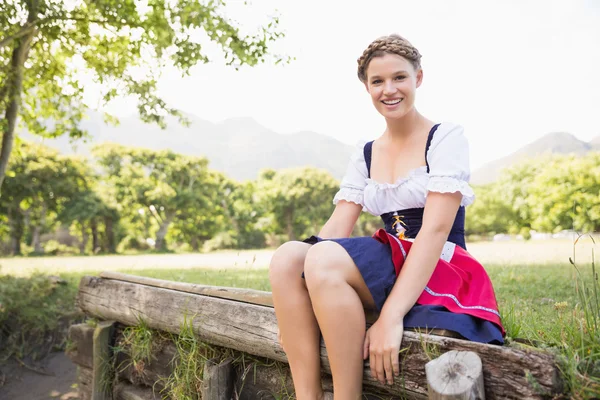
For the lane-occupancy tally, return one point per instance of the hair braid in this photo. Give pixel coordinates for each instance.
(392, 44)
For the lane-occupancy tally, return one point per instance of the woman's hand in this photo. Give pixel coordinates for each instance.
(382, 347)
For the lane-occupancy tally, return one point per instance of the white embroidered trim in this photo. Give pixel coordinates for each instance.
(448, 184)
(349, 194)
(399, 244)
(448, 251)
(431, 292)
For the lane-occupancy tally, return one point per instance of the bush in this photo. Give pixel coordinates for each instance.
(222, 240)
(35, 314)
(131, 242)
(54, 248)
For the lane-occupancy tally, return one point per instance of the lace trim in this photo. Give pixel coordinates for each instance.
(448, 184)
(419, 171)
(355, 196)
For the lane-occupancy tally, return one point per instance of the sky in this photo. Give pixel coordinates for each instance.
(508, 71)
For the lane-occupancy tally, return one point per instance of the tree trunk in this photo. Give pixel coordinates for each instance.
(15, 221)
(37, 231)
(110, 235)
(95, 243)
(289, 217)
(84, 238)
(14, 88)
(161, 244)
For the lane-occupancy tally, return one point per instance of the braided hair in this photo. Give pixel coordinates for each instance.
(392, 44)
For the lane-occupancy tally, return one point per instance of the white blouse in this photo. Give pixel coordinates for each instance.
(448, 158)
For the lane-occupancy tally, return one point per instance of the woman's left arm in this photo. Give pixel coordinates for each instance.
(383, 339)
(438, 217)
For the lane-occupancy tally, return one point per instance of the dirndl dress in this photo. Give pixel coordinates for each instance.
(459, 296)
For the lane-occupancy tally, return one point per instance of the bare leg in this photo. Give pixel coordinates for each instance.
(339, 296)
(297, 323)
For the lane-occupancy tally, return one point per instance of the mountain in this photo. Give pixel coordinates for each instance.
(557, 142)
(239, 147)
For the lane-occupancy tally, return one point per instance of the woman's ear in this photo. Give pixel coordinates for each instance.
(419, 77)
(366, 86)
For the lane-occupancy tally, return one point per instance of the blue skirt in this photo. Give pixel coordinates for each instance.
(374, 261)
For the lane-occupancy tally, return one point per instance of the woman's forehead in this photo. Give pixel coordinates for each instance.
(388, 64)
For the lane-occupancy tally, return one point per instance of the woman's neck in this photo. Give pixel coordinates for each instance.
(402, 128)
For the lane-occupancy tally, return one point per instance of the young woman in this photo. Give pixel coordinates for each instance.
(416, 272)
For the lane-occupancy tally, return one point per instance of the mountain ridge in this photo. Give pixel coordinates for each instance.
(240, 147)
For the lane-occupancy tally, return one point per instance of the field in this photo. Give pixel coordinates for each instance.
(540, 293)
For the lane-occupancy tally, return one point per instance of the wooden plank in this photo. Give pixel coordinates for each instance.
(81, 351)
(250, 296)
(124, 391)
(217, 380)
(253, 329)
(84, 382)
(102, 365)
(455, 375)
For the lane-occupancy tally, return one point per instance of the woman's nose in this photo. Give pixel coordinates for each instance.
(389, 88)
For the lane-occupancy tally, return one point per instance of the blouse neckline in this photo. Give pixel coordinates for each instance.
(422, 170)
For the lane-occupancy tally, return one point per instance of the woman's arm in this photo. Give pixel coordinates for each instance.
(438, 217)
(342, 220)
(382, 342)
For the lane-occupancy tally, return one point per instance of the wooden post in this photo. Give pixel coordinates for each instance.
(218, 379)
(455, 375)
(102, 365)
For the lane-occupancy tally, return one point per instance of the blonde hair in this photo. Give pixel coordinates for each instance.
(392, 44)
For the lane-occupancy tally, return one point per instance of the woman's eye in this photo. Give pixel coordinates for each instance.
(400, 77)
(376, 81)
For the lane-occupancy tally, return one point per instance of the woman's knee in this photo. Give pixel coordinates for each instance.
(326, 263)
(288, 261)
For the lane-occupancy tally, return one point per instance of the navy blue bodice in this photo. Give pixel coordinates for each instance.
(412, 220)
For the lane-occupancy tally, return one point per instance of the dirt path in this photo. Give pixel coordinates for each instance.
(20, 383)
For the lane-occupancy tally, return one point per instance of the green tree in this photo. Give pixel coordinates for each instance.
(298, 199)
(490, 213)
(39, 183)
(47, 45)
(163, 183)
(566, 194)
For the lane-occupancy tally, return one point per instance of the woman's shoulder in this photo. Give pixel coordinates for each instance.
(448, 136)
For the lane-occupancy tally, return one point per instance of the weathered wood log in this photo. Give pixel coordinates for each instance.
(217, 380)
(250, 296)
(124, 391)
(81, 351)
(102, 357)
(84, 382)
(455, 375)
(252, 329)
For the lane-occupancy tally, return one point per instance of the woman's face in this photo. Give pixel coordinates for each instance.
(392, 83)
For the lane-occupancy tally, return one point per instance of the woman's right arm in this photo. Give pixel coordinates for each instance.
(342, 220)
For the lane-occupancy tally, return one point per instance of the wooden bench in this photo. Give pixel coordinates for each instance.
(243, 321)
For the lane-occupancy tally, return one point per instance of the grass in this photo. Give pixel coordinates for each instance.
(545, 300)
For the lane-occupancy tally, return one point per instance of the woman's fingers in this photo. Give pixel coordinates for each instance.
(387, 366)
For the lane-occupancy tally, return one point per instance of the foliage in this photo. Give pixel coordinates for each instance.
(50, 49)
(298, 200)
(34, 315)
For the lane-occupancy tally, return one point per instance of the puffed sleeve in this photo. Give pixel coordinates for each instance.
(448, 158)
(354, 181)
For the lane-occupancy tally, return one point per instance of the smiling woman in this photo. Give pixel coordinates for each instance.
(416, 272)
